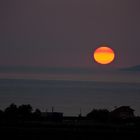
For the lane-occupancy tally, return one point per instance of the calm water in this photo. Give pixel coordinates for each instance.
(69, 96)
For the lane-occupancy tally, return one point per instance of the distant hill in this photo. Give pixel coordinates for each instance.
(133, 68)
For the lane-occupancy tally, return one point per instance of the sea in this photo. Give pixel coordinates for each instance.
(69, 97)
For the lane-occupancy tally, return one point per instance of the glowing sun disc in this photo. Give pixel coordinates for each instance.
(104, 55)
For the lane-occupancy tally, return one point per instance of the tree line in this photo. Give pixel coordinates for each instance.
(22, 112)
(25, 112)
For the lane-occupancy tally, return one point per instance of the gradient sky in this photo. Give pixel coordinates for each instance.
(63, 34)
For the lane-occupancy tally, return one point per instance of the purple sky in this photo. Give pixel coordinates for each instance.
(55, 39)
(64, 33)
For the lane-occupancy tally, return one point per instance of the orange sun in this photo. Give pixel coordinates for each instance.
(104, 55)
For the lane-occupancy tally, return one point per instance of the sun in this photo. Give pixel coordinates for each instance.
(104, 55)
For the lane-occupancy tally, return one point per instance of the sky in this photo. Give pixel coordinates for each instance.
(55, 39)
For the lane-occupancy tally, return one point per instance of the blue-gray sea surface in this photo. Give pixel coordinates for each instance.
(69, 96)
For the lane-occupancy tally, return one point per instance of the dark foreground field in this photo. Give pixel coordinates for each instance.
(69, 131)
(21, 123)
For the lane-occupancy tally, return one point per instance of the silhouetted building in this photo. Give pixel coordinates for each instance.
(52, 115)
(99, 114)
(123, 112)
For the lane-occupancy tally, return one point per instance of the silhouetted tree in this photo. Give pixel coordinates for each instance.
(37, 114)
(25, 111)
(11, 112)
(1, 114)
(11, 109)
(99, 114)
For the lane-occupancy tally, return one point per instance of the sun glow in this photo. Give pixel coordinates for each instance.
(104, 55)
